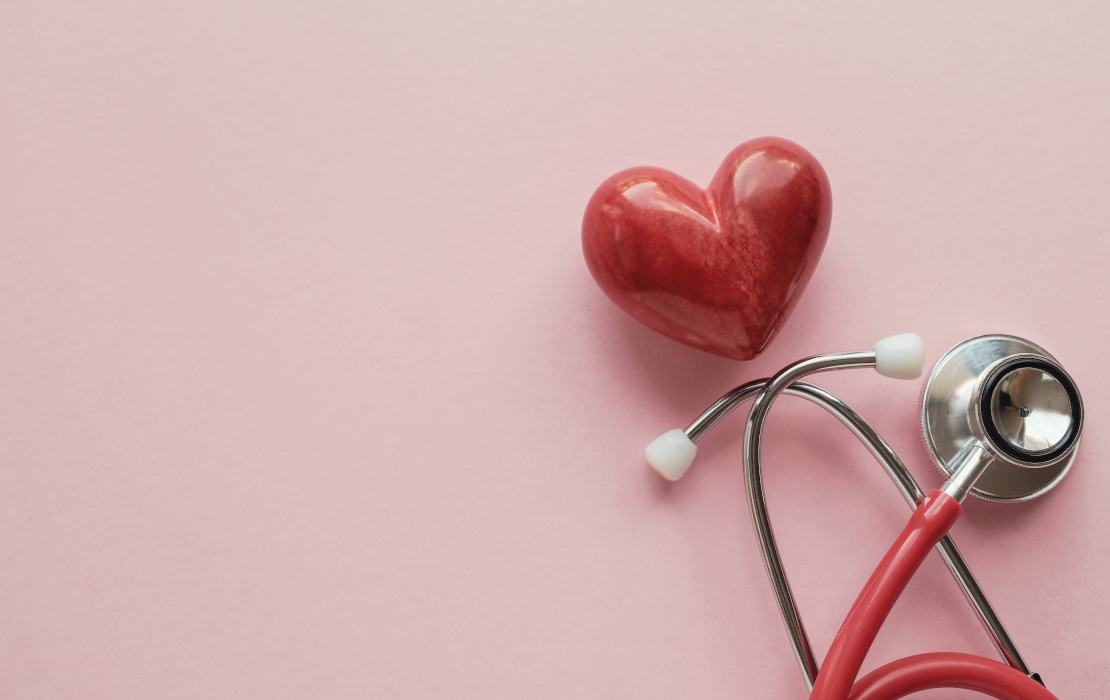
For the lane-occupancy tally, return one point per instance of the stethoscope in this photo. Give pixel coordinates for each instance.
(1002, 420)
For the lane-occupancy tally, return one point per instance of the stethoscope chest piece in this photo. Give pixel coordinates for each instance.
(1011, 397)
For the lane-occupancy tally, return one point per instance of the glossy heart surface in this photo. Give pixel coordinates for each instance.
(719, 269)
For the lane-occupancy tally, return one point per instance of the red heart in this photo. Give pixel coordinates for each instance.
(719, 269)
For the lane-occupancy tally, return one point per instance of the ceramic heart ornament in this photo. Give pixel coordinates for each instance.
(719, 269)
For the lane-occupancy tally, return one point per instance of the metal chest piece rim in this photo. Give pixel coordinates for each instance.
(948, 424)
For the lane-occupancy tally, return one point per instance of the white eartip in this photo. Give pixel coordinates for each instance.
(671, 454)
(900, 356)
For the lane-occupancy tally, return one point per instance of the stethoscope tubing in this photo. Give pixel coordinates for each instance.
(906, 484)
(913, 674)
(927, 528)
(929, 523)
(837, 680)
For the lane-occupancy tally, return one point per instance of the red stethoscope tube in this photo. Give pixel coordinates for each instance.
(837, 679)
(948, 670)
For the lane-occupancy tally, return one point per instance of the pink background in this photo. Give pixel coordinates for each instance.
(307, 393)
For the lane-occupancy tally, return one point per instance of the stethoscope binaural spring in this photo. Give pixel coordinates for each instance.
(1002, 420)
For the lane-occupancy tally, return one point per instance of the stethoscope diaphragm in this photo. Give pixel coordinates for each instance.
(1012, 397)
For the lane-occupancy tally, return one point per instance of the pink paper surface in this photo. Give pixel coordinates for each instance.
(307, 392)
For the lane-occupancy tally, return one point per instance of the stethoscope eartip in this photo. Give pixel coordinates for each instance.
(900, 356)
(671, 454)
